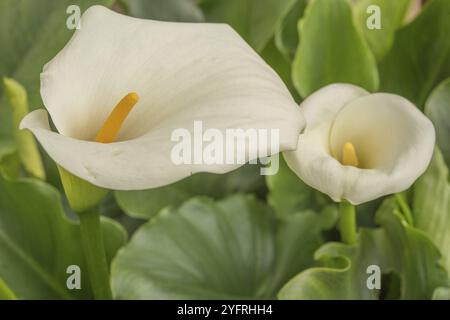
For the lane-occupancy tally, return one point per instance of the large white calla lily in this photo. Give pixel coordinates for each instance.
(359, 146)
(175, 74)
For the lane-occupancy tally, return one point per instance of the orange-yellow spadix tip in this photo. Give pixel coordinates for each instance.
(110, 129)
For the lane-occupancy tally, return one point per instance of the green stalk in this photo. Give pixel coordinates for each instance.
(84, 198)
(347, 222)
(94, 254)
(405, 210)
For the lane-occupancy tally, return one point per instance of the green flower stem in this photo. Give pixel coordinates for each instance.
(84, 198)
(94, 254)
(401, 200)
(347, 222)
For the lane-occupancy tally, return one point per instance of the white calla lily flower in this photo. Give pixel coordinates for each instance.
(173, 74)
(359, 146)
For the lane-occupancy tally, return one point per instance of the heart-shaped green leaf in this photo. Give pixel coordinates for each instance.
(147, 203)
(38, 242)
(230, 249)
(331, 49)
(420, 56)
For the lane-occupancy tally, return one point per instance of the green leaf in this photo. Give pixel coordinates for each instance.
(7, 148)
(254, 20)
(39, 242)
(297, 238)
(288, 194)
(437, 108)
(31, 34)
(147, 203)
(286, 32)
(109, 208)
(10, 166)
(343, 275)
(165, 10)
(420, 57)
(5, 292)
(395, 247)
(231, 249)
(431, 205)
(441, 294)
(331, 49)
(412, 254)
(26, 144)
(392, 14)
(275, 59)
(9, 159)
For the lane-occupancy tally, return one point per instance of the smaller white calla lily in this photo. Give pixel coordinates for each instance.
(359, 146)
(121, 86)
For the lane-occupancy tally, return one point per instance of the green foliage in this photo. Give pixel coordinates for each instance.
(38, 242)
(147, 203)
(331, 49)
(230, 249)
(437, 108)
(396, 248)
(9, 159)
(165, 10)
(441, 293)
(343, 274)
(412, 255)
(275, 59)
(5, 292)
(28, 151)
(392, 15)
(431, 205)
(420, 56)
(286, 32)
(254, 20)
(289, 195)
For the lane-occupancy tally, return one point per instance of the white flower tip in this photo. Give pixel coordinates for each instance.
(36, 116)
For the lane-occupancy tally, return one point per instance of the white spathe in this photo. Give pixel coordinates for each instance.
(393, 140)
(182, 72)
